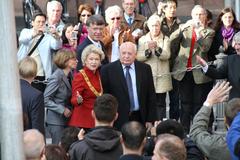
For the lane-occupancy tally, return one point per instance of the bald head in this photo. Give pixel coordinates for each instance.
(128, 53)
(169, 147)
(34, 144)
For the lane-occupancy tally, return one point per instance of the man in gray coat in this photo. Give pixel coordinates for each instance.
(214, 145)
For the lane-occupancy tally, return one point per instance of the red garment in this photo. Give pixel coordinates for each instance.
(194, 38)
(68, 46)
(81, 115)
(83, 34)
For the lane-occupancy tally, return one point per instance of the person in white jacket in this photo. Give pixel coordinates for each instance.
(42, 53)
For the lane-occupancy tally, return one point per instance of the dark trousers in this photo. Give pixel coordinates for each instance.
(39, 85)
(174, 111)
(192, 97)
(161, 105)
(135, 116)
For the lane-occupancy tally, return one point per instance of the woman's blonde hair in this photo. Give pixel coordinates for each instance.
(62, 56)
(27, 67)
(91, 49)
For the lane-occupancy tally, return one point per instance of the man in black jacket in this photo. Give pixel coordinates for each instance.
(103, 142)
(229, 69)
(95, 25)
(32, 99)
(133, 140)
(131, 82)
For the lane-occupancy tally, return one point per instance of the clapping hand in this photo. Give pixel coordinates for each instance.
(152, 45)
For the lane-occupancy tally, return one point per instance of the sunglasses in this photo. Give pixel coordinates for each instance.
(117, 18)
(84, 15)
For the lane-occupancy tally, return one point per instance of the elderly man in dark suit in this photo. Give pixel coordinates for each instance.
(95, 25)
(32, 99)
(131, 82)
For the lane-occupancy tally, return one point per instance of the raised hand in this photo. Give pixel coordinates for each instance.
(219, 93)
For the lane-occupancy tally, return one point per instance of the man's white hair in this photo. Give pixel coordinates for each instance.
(236, 37)
(34, 144)
(110, 10)
(198, 7)
(52, 4)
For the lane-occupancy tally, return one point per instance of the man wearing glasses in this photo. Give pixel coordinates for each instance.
(115, 33)
(95, 25)
(132, 19)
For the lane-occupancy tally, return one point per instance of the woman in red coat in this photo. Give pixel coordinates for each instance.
(86, 87)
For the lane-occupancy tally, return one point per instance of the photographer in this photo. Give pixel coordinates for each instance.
(69, 37)
(154, 50)
(37, 44)
(192, 38)
(174, 128)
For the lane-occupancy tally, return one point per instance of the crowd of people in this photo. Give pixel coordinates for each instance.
(102, 84)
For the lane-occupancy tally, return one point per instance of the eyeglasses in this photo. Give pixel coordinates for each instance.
(117, 18)
(84, 15)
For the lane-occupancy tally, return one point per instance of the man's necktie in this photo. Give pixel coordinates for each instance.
(130, 21)
(130, 87)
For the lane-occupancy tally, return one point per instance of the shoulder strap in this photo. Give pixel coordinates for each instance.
(35, 46)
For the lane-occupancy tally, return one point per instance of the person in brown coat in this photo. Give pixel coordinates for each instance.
(114, 34)
(132, 19)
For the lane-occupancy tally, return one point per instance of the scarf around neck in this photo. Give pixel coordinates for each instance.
(227, 33)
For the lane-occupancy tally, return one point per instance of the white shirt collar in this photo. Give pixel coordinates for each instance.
(97, 44)
(127, 16)
(132, 66)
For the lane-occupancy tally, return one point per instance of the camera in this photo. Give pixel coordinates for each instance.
(197, 23)
(74, 35)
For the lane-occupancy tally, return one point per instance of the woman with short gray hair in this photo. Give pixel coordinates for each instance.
(153, 49)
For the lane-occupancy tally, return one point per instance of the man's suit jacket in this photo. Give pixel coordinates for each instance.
(33, 106)
(56, 97)
(137, 23)
(230, 70)
(80, 49)
(183, 37)
(113, 81)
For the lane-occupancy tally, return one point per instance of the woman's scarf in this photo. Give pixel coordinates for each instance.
(227, 33)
